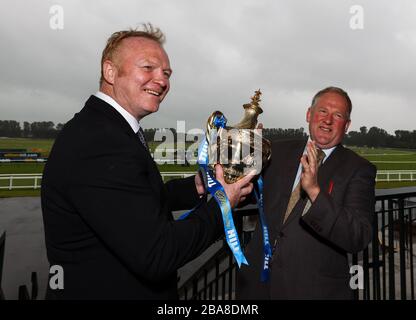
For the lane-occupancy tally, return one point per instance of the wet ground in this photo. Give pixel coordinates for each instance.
(25, 250)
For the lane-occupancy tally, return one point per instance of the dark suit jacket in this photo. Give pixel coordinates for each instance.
(310, 257)
(107, 213)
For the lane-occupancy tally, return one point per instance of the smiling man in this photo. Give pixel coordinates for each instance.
(107, 213)
(135, 73)
(319, 203)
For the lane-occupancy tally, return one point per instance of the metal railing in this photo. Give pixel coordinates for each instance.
(2, 249)
(389, 260)
(388, 263)
(215, 279)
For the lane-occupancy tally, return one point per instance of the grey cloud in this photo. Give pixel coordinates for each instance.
(221, 51)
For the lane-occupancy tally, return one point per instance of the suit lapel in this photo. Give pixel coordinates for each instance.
(279, 179)
(329, 167)
(109, 112)
(113, 115)
(325, 173)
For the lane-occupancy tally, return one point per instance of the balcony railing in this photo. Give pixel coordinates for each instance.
(388, 263)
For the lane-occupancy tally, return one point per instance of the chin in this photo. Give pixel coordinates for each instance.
(322, 144)
(152, 109)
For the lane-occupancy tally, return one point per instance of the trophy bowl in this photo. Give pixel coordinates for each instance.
(240, 148)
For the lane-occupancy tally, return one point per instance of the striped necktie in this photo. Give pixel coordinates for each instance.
(295, 196)
(140, 134)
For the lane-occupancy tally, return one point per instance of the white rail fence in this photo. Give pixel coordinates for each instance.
(20, 181)
(33, 180)
(396, 175)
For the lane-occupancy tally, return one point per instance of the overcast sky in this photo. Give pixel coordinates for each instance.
(221, 52)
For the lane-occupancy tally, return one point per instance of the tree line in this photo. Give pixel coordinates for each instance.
(373, 137)
(36, 130)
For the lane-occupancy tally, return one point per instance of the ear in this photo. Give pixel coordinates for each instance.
(347, 125)
(109, 71)
(308, 114)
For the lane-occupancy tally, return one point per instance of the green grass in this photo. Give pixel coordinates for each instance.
(19, 167)
(405, 157)
(380, 156)
(395, 166)
(395, 184)
(32, 145)
(366, 151)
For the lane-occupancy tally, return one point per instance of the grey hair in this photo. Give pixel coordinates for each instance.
(337, 90)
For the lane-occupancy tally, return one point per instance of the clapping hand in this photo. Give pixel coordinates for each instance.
(309, 176)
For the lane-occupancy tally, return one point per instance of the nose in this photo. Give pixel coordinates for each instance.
(161, 79)
(328, 119)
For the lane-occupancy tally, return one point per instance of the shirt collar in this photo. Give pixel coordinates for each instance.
(132, 121)
(326, 151)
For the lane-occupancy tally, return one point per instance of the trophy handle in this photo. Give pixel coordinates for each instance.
(215, 121)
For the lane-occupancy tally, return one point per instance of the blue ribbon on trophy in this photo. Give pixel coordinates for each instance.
(267, 250)
(232, 172)
(218, 193)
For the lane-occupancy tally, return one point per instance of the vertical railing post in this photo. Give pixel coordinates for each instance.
(410, 232)
(402, 249)
(354, 263)
(195, 289)
(376, 261)
(205, 283)
(366, 267)
(217, 274)
(392, 286)
(223, 286)
(383, 246)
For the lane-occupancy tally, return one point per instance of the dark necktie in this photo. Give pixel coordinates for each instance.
(140, 134)
(295, 196)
